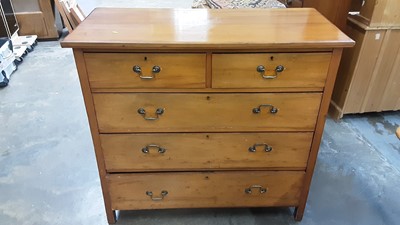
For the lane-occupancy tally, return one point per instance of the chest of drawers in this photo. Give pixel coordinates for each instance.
(206, 108)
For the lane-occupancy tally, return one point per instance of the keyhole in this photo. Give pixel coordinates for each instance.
(208, 136)
(208, 97)
(145, 58)
(272, 58)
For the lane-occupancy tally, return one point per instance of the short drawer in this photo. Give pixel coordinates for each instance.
(208, 189)
(277, 70)
(153, 112)
(140, 70)
(144, 152)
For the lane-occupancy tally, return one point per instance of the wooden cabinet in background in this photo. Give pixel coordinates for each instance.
(334, 10)
(369, 74)
(379, 13)
(373, 13)
(36, 17)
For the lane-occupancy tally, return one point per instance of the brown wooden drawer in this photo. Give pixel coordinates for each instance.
(205, 112)
(240, 70)
(144, 152)
(115, 70)
(208, 189)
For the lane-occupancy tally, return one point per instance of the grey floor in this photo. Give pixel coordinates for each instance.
(48, 173)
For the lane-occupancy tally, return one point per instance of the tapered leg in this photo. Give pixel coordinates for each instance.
(298, 213)
(111, 216)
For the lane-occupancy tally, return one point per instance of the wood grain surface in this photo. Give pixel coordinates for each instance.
(319, 130)
(115, 70)
(240, 70)
(205, 29)
(91, 114)
(208, 189)
(382, 13)
(118, 113)
(215, 151)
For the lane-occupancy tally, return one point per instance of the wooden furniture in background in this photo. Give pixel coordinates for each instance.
(334, 10)
(368, 78)
(379, 13)
(71, 14)
(234, 126)
(36, 17)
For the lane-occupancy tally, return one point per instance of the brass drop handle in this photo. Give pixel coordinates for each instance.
(159, 112)
(261, 69)
(146, 149)
(156, 69)
(159, 198)
(260, 188)
(267, 148)
(273, 109)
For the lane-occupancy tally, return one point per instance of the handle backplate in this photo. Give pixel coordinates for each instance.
(267, 148)
(137, 69)
(261, 69)
(273, 109)
(158, 112)
(147, 148)
(260, 188)
(157, 198)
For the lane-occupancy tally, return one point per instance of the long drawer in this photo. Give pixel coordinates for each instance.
(155, 112)
(208, 189)
(216, 151)
(146, 70)
(282, 70)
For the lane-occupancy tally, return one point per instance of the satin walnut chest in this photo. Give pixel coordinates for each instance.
(192, 108)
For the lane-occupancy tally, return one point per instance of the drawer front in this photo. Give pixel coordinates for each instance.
(243, 71)
(116, 70)
(209, 189)
(173, 152)
(129, 112)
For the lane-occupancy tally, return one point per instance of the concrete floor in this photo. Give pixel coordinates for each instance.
(48, 173)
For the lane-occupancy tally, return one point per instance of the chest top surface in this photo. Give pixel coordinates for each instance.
(128, 28)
